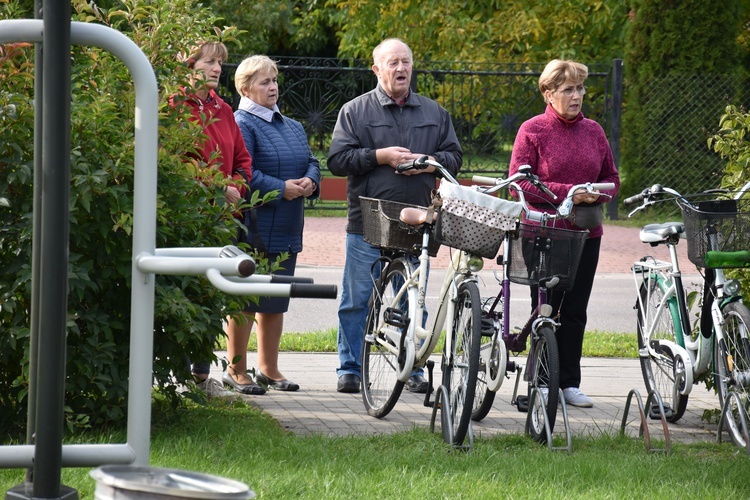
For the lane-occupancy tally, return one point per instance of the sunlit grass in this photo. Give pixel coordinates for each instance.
(239, 442)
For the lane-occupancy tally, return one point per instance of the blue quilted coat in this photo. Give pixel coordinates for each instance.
(280, 152)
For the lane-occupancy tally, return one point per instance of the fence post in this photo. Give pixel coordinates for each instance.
(614, 125)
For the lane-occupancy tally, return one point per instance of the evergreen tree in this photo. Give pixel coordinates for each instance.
(682, 64)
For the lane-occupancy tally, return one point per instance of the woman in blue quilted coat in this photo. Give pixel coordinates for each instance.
(282, 162)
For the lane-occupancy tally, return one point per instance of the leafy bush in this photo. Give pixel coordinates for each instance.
(188, 310)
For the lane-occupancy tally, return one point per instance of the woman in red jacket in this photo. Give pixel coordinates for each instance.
(224, 149)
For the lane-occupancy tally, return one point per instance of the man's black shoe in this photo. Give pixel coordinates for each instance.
(417, 383)
(348, 382)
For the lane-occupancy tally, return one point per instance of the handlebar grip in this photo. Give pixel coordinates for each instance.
(304, 290)
(600, 186)
(289, 279)
(632, 200)
(481, 179)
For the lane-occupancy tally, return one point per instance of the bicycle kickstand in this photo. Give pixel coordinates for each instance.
(427, 397)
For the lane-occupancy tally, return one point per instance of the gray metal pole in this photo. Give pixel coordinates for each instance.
(615, 128)
(36, 239)
(53, 279)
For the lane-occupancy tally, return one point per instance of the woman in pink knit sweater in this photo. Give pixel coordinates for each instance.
(565, 148)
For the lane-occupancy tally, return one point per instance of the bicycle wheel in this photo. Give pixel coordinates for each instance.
(660, 372)
(732, 368)
(545, 377)
(460, 365)
(380, 350)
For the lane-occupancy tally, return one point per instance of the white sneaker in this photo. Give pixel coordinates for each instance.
(575, 397)
(213, 389)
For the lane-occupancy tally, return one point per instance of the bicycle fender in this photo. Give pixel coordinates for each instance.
(494, 384)
(404, 372)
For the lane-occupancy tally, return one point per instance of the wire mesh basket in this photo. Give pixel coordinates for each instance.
(383, 228)
(541, 252)
(714, 226)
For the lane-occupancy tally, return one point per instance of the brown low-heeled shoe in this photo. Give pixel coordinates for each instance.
(279, 385)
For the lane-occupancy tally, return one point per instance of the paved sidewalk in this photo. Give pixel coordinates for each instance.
(318, 409)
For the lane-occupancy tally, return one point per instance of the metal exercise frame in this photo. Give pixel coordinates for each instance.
(226, 268)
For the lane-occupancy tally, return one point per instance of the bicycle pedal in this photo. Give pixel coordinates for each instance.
(522, 404)
(655, 414)
(395, 317)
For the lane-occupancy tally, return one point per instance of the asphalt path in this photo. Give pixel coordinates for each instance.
(610, 310)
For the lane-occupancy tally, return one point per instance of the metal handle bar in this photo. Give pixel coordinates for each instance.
(298, 290)
(566, 207)
(227, 269)
(652, 194)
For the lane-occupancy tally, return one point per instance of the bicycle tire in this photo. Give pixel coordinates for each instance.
(489, 356)
(546, 373)
(460, 366)
(736, 376)
(660, 373)
(381, 388)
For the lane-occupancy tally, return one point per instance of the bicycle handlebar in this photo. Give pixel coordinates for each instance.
(524, 173)
(422, 163)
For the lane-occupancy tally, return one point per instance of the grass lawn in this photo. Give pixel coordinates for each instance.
(239, 442)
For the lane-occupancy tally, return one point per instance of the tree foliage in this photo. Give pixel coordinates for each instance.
(280, 27)
(191, 212)
(486, 30)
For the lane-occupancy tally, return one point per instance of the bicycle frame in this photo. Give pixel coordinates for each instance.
(516, 341)
(420, 342)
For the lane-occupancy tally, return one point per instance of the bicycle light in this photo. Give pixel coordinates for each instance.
(732, 287)
(475, 263)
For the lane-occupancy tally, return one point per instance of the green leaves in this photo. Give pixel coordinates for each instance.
(188, 310)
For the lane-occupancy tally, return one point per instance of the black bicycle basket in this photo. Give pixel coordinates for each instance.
(541, 252)
(713, 226)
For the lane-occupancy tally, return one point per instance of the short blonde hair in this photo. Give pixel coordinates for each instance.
(558, 71)
(207, 49)
(250, 67)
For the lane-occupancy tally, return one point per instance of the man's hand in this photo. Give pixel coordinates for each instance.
(394, 156)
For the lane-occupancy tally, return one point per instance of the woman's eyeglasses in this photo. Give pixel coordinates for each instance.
(569, 91)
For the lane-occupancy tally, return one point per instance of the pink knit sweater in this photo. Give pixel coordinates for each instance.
(562, 153)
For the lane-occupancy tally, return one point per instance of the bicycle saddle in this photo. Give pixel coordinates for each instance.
(655, 233)
(415, 216)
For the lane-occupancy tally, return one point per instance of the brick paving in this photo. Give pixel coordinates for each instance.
(324, 240)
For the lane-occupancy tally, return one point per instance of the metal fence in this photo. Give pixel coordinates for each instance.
(487, 102)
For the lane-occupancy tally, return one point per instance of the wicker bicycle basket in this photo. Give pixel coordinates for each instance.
(383, 228)
(539, 252)
(716, 225)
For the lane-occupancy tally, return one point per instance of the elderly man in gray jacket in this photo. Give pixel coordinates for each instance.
(374, 133)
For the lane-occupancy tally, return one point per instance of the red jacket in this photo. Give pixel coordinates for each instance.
(224, 136)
